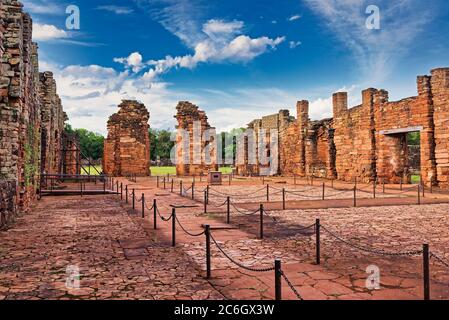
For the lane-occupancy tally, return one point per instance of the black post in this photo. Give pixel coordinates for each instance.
(268, 193)
(208, 264)
(261, 221)
(126, 190)
(374, 188)
(383, 185)
(419, 194)
(355, 196)
(155, 213)
(143, 205)
(81, 187)
(332, 183)
(134, 199)
(277, 279)
(157, 181)
(121, 190)
(283, 198)
(117, 186)
(173, 227)
(263, 180)
(205, 201)
(180, 188)
(294, 180)
(317, 238)
(423, 190)
(172, 185)
(164, 184)
(426, 271)
(207, 190)
(193, 190)
(324, 190)
(228, 216)
(230, 179)
(112, 184)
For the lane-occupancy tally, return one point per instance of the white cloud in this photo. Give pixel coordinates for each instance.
(116, 9)
(219, 29)
(294, 44)
(47, 32)
(133, 61)
(294, 17)
(43, 7)
(376, 51)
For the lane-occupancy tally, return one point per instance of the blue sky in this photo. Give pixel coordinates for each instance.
(237, 60)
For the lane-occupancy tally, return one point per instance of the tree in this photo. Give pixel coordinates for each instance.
(91, 143)
(160, 144)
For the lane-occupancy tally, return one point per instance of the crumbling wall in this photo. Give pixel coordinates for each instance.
(196, 150)
(8, 207)
(127, 147)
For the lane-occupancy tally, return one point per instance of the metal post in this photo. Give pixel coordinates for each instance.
(180, 188)
(419, 194)
(317, 238)
(164, 183)
(261, 221)
(324, 190)
(423, 190)
(332, 183)
(294, 180)
(426, 271)
(277, 279)
(283, 198)
(208, 264)
(383, 185)
(268, 193)
(229, 179)
(117, 186)
(207, 190)
(172, 185)
(157, 181)
(143, 205)
(81, 187)
(263, 180)
(155, 213)
(205, 201)
(112, 184)
(173, 226)
(374, 188)
(134, 199)
(355, 196)
(121, 190)
(228, 216)
(193, 190)
(126, 190)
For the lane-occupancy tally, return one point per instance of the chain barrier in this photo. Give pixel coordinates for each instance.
(187, 232)
(146, 206)
(237, 195)
(375, 251)
(291, 286)
(218, 206)
(160, 215)
(247, 213)
(440, 260)
(238, 263)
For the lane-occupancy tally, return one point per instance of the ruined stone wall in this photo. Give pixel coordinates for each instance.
(21, 106)
(8, 206)
(196, 153)
(127, 147)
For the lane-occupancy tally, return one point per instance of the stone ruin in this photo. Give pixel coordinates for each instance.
(31, 115)
(368, 142)
(196, 152)
(127, 147)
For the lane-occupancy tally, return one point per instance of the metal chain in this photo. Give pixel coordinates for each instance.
(375, 251)
(218, 206)
(238, 263)
(237, 195)
(243, 212)
(291, 286)
(146, 205)
(189, 233)
(433, 255)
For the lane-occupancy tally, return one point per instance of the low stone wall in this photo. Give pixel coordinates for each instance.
(8, 209)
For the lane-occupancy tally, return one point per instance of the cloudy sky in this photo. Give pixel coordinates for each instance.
(237, 60)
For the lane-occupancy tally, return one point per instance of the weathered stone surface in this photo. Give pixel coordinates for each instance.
(127, 147)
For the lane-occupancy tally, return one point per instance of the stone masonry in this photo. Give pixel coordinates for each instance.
(127, 147)
(369, 142)
(31, 116)
(196, 152)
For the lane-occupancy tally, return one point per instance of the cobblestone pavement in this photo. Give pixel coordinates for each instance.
(115, 256)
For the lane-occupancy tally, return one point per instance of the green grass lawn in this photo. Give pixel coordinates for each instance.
(415, 179)
(160, 171)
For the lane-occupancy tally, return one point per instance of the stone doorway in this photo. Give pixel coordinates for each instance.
(413, 153)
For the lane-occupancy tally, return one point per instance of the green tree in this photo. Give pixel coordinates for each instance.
(91, 143)
(160, 144)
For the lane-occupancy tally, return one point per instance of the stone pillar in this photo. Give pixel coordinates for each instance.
(340, 103)
(127, 147)
(440, 93)
(302, 111)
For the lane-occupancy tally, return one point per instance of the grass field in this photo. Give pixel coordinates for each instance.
(160, 171)
(91, 170)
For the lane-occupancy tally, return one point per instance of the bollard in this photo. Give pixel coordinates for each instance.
(374, 188)
(261, 221)
(155, 214)
(134, 199)
(324, 190)
(423, 190)
(268, 193)
(426, 272)
(81, 188)
(180, 188)
(317, 239)
(355, 196)
(164, 183)
(112, 184)
(208, 264)
(205, 201)
(383, 185)
(121, 190)
(332, 183)
(419, 194)
(104, 186)
(229, 179)
(116, 185)
(193, 190)
(263, 180)
(277, 279)
(228, 216)
(172, 185)
(173, 227)
(207, 190)
(157, 181)
(283, 198)
(126, 190)
(143, 206)
(401, 183)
